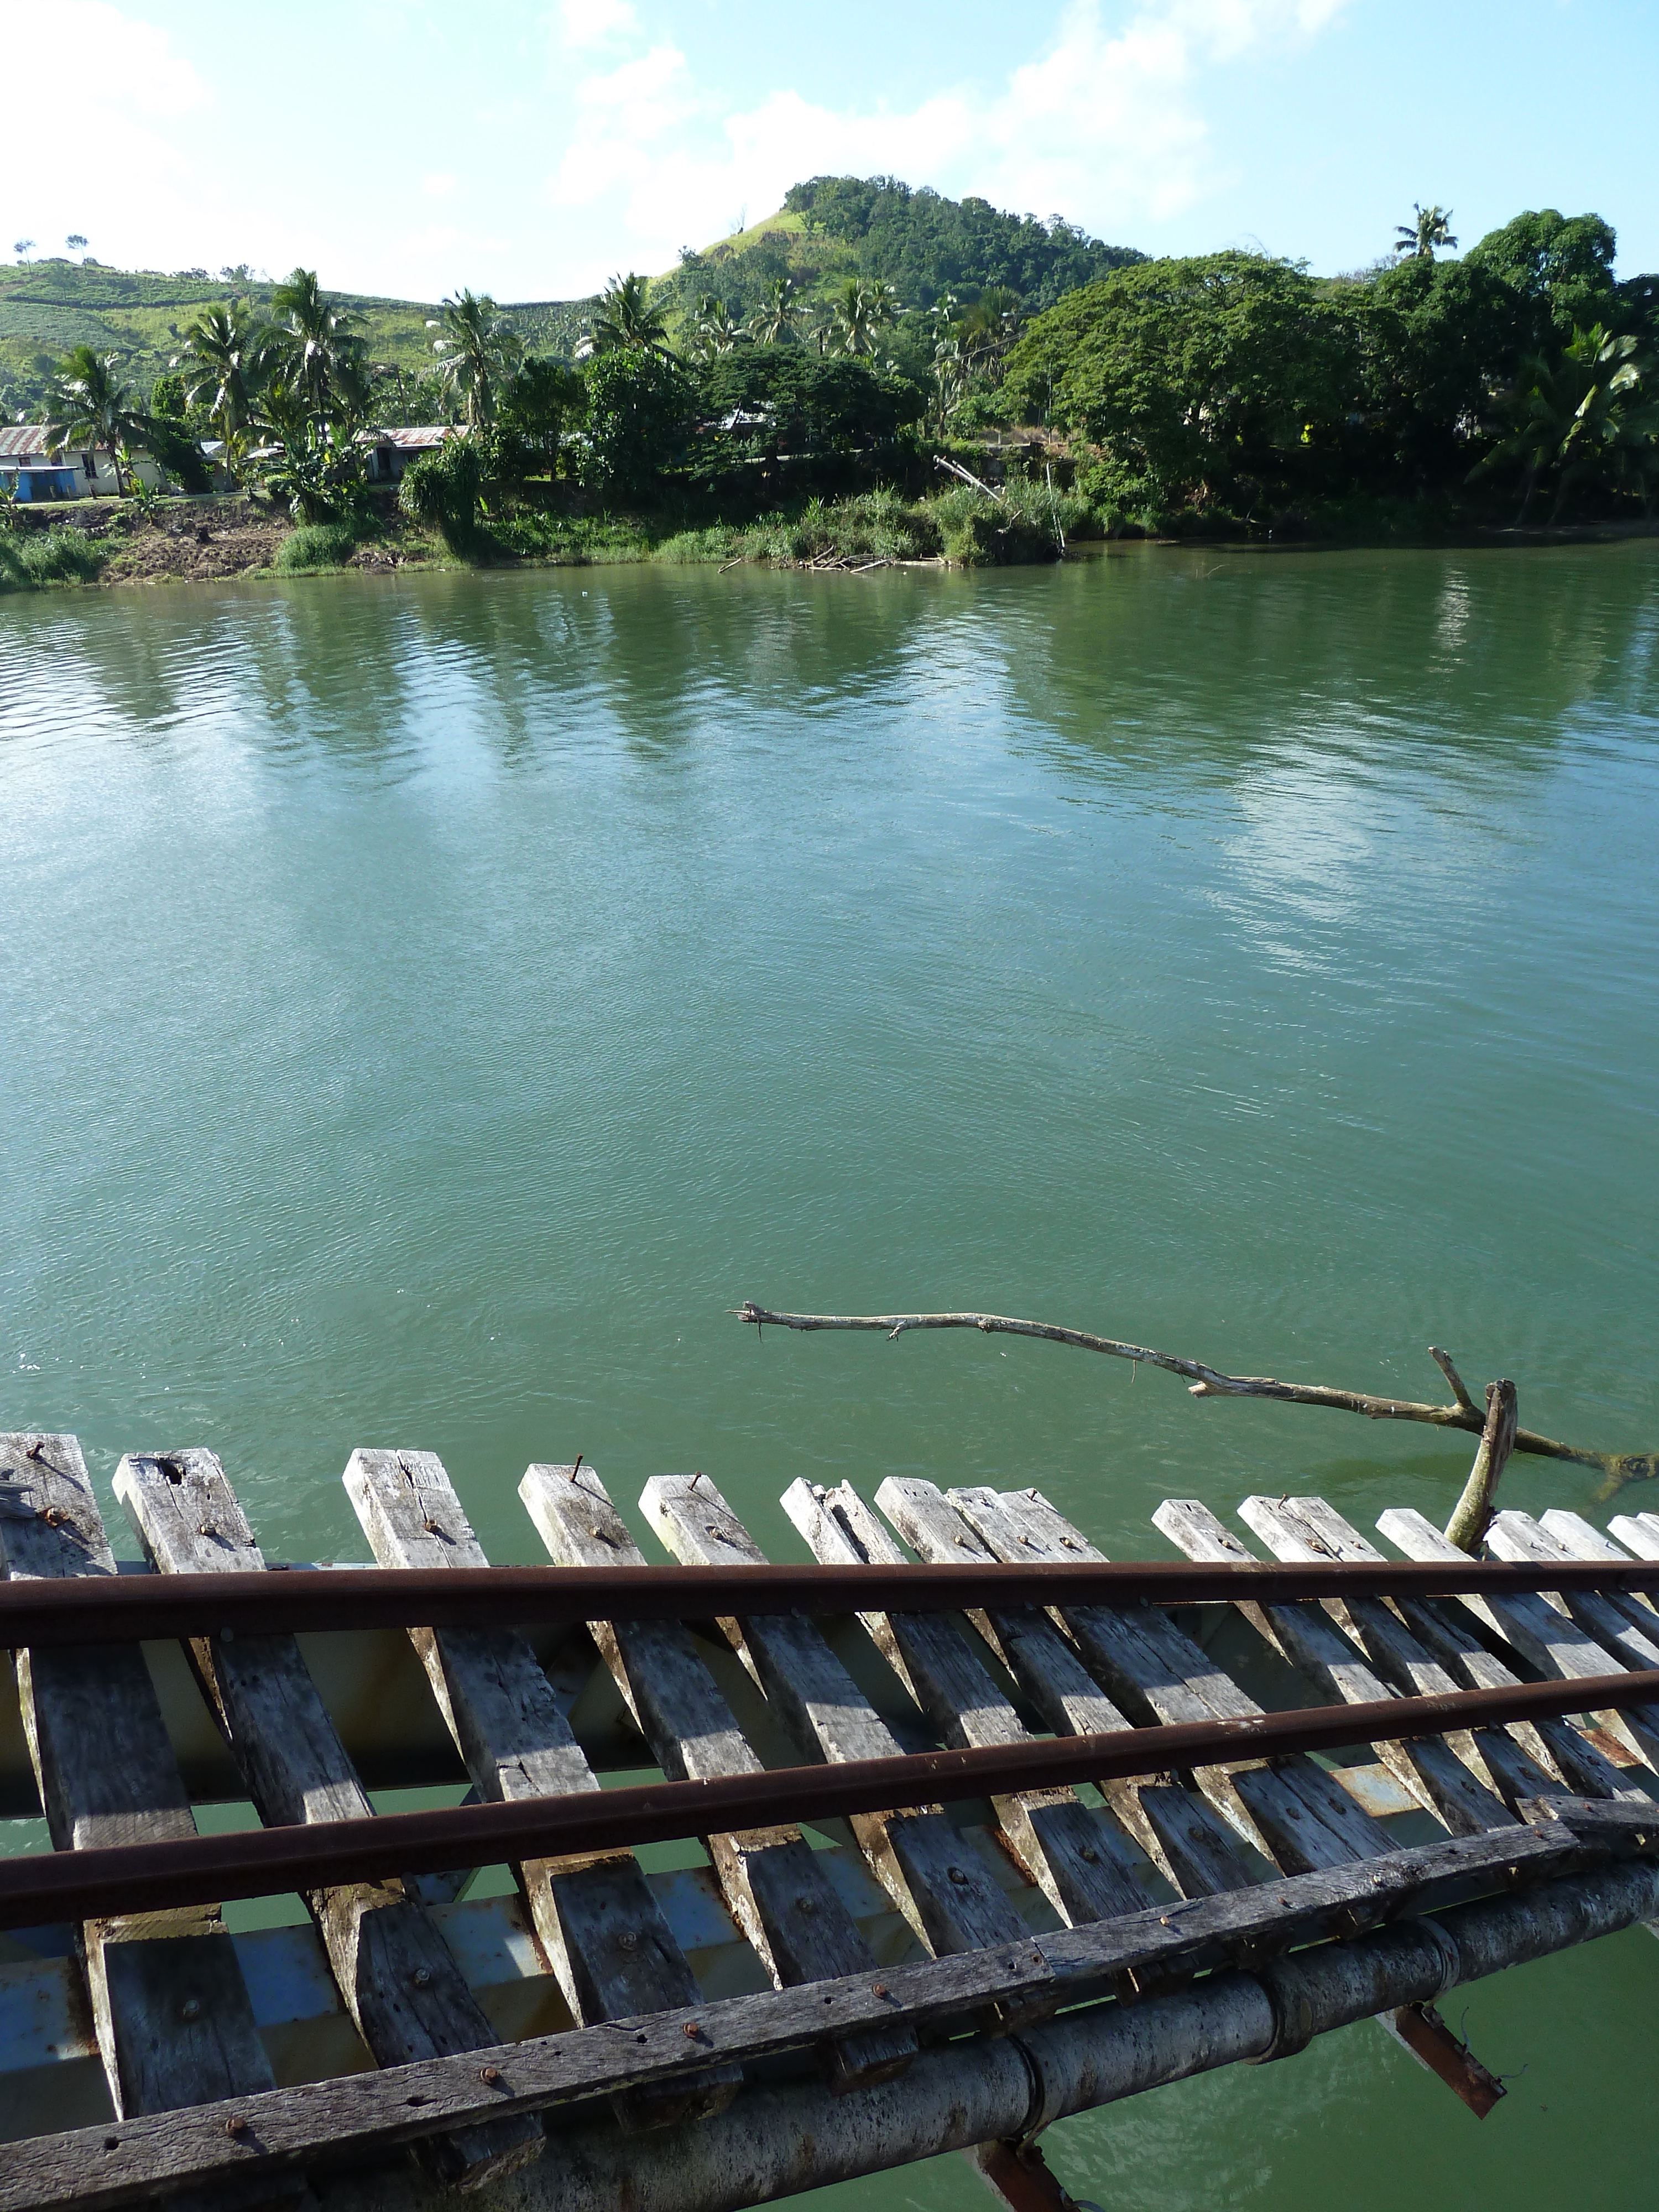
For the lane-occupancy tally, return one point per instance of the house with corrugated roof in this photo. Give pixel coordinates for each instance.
(391, 452)
(34, 466)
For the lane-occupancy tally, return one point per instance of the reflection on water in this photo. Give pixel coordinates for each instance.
(430, 1004)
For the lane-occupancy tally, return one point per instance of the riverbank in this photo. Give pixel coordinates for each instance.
(226, 538)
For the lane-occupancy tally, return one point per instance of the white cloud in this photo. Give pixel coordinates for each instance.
(439, 185)
(586, 23)
(1106, 126)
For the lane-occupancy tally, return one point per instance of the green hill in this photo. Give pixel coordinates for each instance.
(141, 314)
(918, 242)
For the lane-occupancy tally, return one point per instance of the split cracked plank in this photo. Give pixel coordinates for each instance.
(1292, 1811)
(1546, 1638)
(172, 2012)
(932, 1874)
(778, 1893)
(1441, 1770)
(406, 1994)
(1075, 1857)
(602, 1930)
(1183, 1834)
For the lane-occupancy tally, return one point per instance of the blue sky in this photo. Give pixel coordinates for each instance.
(532, 149)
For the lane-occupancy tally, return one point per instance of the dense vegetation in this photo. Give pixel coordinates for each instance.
(1222, 394)
(1231, 391)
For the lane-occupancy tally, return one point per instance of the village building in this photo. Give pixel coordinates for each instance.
(389, 453)
(34, 466)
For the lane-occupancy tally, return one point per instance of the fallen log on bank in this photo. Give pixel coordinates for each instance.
(1204, 1382)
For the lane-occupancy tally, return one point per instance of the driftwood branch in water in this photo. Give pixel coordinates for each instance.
(1203, 1382)
(1472, 1515)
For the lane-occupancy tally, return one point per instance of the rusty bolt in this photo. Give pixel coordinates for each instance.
(879, 1989)
(235, 2125)
(422, 1977)
(693, 2030)
(959, 1876)
(629, 1941)
(491, 2073)
(191, 2008)
(207, 1528)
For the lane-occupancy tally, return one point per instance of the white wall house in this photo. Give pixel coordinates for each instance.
(34, 469)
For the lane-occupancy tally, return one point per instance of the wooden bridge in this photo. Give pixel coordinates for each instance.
(1077, 1829)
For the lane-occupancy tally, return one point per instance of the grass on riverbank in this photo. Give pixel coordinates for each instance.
(29, 560)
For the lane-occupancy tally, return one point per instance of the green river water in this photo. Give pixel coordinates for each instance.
(426, 1007)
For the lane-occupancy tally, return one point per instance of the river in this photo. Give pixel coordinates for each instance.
(430, 1005)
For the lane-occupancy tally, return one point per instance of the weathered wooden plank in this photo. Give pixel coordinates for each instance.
(1628, 1630)
(1443, 1770)
(367, 2113)
(1581, 1541)
(779, 1893)
(172, 2012)
(406, 1995)
(1637, 1533)
(1519, 1759)
(1292, 1811)
(1179, 1831)
(1076, 1857)
(932, 1872)
(1547, 1639)
(604, 1935)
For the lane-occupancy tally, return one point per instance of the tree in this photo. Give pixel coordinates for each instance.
(75, 243)
(1432, 229)
(859, 311)
(87, 403)
(445, 488)
(1585, 416)
(708, 331)
(477, 350)
(640, 406)
(777, 320)
(625, 319)
(1559, 266)
(309, 337)
(541, 397)
(758, 402)
(224, 362)
(1209, 385)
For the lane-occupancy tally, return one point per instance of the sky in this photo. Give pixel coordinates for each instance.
(406, 147)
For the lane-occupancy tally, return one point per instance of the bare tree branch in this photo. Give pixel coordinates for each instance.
(1618, 1467)
(1472, 1515)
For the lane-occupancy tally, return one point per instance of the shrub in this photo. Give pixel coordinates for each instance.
(62, 556)
(316, 545)
(444, 489)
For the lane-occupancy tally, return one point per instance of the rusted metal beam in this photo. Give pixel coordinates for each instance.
(133, 1608)
(149, 1877)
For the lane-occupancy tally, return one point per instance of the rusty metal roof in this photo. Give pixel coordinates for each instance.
(418, 439)
(25, 440)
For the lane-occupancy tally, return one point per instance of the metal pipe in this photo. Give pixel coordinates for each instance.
(773, 2142)
(128, 1608)
(94, 1884)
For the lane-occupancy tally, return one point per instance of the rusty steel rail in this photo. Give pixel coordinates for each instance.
(130, 1607)
(104, 1882)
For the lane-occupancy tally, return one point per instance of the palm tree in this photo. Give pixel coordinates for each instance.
(708, 331)
(308, 337)
(87, 401)
(778, 317)
(1431, 227)
(224, 364)
(478, 352)
(859, 310)
(626, 319)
